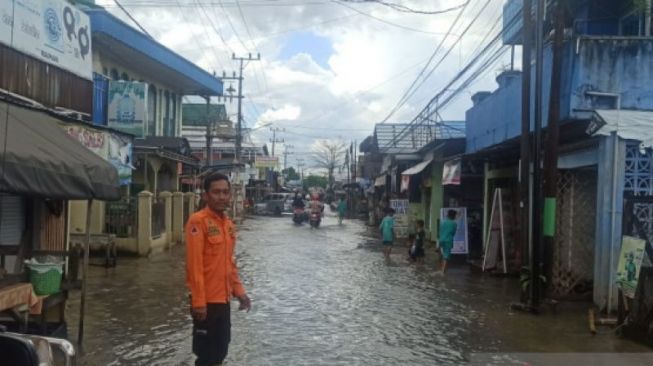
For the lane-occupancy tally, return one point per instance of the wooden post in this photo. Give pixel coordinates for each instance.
(82, 306)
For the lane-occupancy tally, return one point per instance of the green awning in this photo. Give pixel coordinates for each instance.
(38, 158)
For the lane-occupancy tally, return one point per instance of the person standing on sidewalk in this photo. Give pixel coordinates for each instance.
(211, 273)
(448, 228)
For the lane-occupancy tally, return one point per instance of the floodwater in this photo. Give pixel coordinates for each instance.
(323, 297)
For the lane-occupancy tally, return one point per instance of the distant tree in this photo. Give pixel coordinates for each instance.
(315, 181)
(291, 174)
(329, 155)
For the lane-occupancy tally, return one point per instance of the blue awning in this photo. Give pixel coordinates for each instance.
(145, 55)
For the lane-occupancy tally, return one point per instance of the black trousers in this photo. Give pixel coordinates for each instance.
(211, 337)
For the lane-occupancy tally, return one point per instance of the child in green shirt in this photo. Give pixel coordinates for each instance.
(388, 232)
(448, 228)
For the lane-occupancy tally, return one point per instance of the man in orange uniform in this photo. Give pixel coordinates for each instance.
(211, 273)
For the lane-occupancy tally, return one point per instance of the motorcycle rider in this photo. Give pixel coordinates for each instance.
(316, 206)
(298, 201)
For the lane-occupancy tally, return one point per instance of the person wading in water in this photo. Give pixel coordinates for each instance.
(211, 273)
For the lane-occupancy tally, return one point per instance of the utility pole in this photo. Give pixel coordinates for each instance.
(536, 254)
(525, 159)
(274, 139)
(286, 152)
(239, 123)
(238, 186)
(209, 135)
(300, 166)
(553, 132)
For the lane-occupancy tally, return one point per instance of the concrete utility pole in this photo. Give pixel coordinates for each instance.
(537, 252)
(209, 135)
(300, 166)
(525, 158)
(551, 149)
(286, 152)
(274, 139)
(239, 122)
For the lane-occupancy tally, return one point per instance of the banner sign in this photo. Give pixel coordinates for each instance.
(405, 183)
(266, 162)
(120, 156)
(630, 263)
(451, 172)
(400, 206)
(460, 240)
(90, 139)
(53, 31)
(127, 107)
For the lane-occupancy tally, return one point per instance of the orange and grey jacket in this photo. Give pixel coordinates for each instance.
(211, 272)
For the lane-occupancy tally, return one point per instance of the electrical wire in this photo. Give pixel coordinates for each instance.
(385, 21)
(405, 9)
(425, 113)
(431, 58)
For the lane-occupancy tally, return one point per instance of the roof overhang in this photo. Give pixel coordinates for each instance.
(165, 154)
(41, 159)
(148, 57)
(416, 169)
(627, 124)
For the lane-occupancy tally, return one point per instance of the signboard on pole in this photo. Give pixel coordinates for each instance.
(53, 31)
(401, 217)
(266, 162)
(128, 107)
(460, 239)
(630, 263)
(93, 140)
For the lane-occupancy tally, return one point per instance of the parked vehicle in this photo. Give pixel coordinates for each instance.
(273, 203)
(31, 350)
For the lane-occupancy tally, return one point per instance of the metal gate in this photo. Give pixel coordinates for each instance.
(573, 252)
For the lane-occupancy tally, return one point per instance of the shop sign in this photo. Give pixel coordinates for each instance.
(89, 138)
(266, 162)
(53, 31)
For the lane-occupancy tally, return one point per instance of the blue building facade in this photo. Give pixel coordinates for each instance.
(607, 66)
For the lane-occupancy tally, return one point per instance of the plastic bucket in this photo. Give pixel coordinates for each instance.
(45, 277)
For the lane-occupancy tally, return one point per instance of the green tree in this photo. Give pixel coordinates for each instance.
(315, 181)
(291, 174)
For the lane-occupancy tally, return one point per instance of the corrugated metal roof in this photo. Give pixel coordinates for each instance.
(404, 138)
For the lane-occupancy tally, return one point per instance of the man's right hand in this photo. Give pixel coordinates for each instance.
(198, 313)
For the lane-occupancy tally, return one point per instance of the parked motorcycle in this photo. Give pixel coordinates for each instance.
(31, 350)
(299, 215)
(315, 219)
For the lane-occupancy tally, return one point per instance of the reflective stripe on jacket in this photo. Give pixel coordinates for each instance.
(211, 272)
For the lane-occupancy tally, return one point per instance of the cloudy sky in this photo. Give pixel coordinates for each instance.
(329, 69)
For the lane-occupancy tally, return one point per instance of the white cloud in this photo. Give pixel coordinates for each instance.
(286, 113)
(371, 66)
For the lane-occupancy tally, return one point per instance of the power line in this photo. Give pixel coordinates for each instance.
(386, 21)
(132, 18)
(405, 9)
(426, 113)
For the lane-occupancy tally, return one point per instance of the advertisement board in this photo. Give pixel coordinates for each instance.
(266, 162)
(630, 263)
(128, 107)
(53, 31)
(120, 156)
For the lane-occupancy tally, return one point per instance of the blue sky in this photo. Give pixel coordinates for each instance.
(318, 47)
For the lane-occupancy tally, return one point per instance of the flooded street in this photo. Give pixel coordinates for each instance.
(322, 297)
